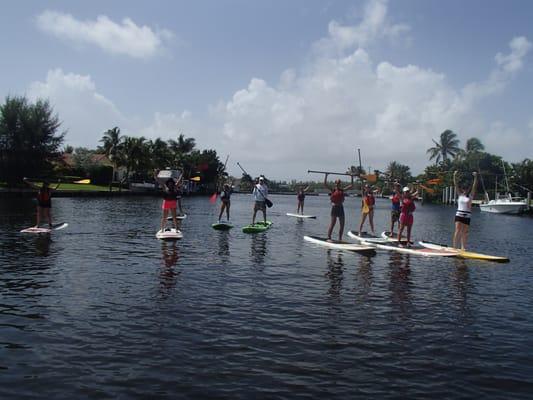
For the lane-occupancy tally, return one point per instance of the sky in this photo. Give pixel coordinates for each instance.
(280, 86)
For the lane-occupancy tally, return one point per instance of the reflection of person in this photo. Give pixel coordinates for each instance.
(406, 215)
(170, 194)
(395, 210)
(367, 208)
(44, 201)
(260, 194)
(464, 210)
(225, 196)
(300, 195)
(337, 209)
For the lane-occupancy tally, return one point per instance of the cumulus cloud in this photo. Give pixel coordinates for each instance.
(84, 112)
(125, 38)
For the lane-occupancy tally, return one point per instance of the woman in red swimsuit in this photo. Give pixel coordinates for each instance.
(44, 200)
(337, 209)
(406, 215)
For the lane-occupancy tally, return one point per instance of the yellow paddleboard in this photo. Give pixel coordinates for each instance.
(479, 256)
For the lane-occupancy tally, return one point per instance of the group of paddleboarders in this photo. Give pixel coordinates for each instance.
(402, 209)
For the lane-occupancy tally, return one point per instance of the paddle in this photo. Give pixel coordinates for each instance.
(213, 197)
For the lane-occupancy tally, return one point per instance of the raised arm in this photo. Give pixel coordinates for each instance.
(306, 188)
(456, 188)
(326, 184)
(348, 187)
(474, 186)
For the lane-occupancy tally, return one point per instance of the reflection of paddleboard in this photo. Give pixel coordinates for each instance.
(300, 216)
(463, 253)
(366, 237)
(222, 225)
(257, 227)
(416, 250)
(169, 234)
(341, 245)
(180, 216)
(55, 227)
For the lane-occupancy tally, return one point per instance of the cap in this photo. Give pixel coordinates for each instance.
(405, 189)
(261, 178)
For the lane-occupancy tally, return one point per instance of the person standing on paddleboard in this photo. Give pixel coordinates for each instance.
(225, 196)
(464, 210)
(395, 210)
(300, 195)
(406, 215)
(170, 194)
(260, 194)
(367, 209)
(44, 200)
(337, 208)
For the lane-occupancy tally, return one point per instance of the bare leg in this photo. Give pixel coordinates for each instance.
(363, 218)
(341, 226)
(400, 231)
(38, 216)
(371, 220)
(164, 220)
(222, 206)
(227, 210)
(48, 213)
(331, 226)
(179, 206)
(464, 236)
(456, 234)
(264, 215)
(253, 218)
(174, 219)
(409, 227)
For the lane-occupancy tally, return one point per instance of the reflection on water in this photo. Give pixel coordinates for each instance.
(400, 283)
(334, 274)
(42, 245)
(223, 246)
(258, 250)
(168, 275)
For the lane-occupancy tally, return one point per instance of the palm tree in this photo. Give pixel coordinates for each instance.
(181, 147)
(399, 172)
(448, 146)
(160, 153)
(112, 140)
(134, 155)
(474, 145)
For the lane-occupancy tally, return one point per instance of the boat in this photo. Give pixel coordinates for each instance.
(503, 204)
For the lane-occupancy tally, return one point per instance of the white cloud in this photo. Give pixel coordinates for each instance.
(84, 112)
(126, 38)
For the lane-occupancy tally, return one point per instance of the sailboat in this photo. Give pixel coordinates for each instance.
(504, 204)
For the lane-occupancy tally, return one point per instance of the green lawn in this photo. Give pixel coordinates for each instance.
(78, 186)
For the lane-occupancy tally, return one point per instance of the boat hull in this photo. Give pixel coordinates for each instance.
(503, 207)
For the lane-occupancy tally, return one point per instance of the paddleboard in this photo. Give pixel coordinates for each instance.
(55, 227)
(416, 250)
(463, 253)
(301, 216)
(222, 225)
(169, 234)
(341, 245)
(257, 227)
(181, 216)
(386, 235)
(364, 236)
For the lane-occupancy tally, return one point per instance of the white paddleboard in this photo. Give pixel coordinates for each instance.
(301, 216)
(340, 245)
(55, 227)
(169, 234)
(181, 216)
(366, 237)
(416, 250)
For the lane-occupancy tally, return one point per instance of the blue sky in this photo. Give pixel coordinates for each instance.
(281, 86)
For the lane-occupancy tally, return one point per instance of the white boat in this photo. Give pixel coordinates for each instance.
(505, 205)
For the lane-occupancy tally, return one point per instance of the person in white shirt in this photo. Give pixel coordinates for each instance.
(464, 209)
(260, 194)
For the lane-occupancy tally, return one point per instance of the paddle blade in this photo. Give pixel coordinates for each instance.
(196, 179)
(213, 198)
(84, 181)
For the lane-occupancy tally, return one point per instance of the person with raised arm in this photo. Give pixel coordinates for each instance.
(464, 210)
(300, 195)
(406, 215)
(367, 208)
(170, 195)
(44, 200)
(260, 193)
(395, 210)
(337, 208)
(225, 198)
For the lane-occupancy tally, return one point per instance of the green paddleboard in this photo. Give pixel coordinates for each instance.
(257, 227)
(222, 226)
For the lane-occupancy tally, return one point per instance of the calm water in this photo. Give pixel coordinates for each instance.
(102, 309)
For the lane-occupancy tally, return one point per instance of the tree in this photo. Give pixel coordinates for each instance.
(399, 172)
(181, 147)
(134, 155)
(474, 145)
(29, 138)
(448, 146)
(160, 154)
(112, 140)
